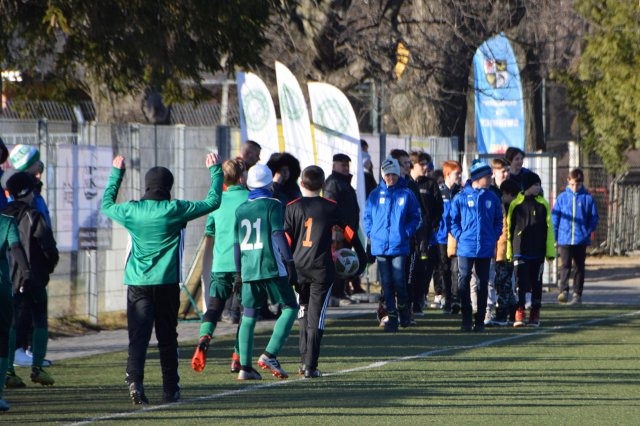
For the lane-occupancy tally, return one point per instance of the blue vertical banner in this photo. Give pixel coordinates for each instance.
(498, 97)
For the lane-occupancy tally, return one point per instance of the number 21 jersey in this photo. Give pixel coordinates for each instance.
(256, 220)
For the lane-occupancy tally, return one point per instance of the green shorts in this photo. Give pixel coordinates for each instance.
(222, 285)
(277, 290)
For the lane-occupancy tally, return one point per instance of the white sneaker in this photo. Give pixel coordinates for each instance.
(22, 359)
(273, 365)
(489, 317)
(45, 362)
(438, 301)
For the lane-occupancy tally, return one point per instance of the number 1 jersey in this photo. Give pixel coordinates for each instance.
(256, 220)
(309, 222)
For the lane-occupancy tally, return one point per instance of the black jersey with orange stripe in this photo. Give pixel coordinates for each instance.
(308, 223)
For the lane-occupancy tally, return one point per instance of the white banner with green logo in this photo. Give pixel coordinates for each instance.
(257, 114)
(336, 131)
(294, 116)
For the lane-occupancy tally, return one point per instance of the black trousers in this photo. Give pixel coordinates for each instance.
(29, 311)
(568, 255)
(147, 306)
(448, 277)
(313, 300)
(528, 274)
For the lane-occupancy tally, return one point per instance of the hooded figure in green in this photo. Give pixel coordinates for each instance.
(156, 226)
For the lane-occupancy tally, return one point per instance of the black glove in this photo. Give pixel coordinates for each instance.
(237, 284)
(371, 259)
(293, 275)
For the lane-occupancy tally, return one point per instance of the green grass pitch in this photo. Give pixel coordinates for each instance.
(581, 367)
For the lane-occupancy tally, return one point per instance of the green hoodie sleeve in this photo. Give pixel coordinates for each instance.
(551, 248)
(510, 228)
(109, 206)
(195, 209)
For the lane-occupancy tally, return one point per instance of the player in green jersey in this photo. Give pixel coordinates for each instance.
(266, 270)
(223, 269)
(153, 270)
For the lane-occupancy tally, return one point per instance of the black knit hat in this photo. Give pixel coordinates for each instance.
(341, 157)
(20, 185)
(530, 179)
(158, 178)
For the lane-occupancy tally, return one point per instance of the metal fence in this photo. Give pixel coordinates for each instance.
(88, 279)
(624, 214)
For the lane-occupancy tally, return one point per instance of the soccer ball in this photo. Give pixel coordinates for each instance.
(346, 261)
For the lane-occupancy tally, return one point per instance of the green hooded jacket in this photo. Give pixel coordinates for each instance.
(156, 229)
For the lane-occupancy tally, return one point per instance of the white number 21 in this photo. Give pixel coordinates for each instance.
(246, 245)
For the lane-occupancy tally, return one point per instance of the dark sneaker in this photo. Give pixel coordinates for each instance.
(136, 393)
(235, 363)
(40, 375)
(534, 318)
(312, 373)
(13, 381)
(465, 328)
(478, 327)
(170, 397)
(272, 365)
(4, 405)
(249, 375)
(455, 309)
(391, 326)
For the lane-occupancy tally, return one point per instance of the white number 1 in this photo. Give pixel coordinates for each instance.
(246, 245)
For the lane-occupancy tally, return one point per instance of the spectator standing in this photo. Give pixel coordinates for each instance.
(515, 157)
(392, 216)
(30, 291)
(503, 278)
(425, 260)
(476, 224)
(452, 172)
(530, 240)
(338, 188)
(575, 218)
(286, 171)
(10, 242)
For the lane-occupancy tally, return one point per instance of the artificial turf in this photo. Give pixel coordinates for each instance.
(581, 367)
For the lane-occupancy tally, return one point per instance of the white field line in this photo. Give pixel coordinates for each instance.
(378, 364)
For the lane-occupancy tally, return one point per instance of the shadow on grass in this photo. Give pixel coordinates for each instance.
(547, 367)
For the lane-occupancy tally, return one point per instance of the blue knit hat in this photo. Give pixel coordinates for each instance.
(479, 169)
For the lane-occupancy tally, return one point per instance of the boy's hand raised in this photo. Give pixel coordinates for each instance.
(118, 162)
(212, 159)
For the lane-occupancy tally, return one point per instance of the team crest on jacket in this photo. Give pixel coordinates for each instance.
(401, 202)
(488, 204)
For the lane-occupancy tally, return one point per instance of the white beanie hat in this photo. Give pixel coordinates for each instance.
(22, 157)
(390, 165)
(259, 176)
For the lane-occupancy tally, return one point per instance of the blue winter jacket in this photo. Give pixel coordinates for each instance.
(574, 217)
(445, 224)
(476, 221)
(391, 217)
